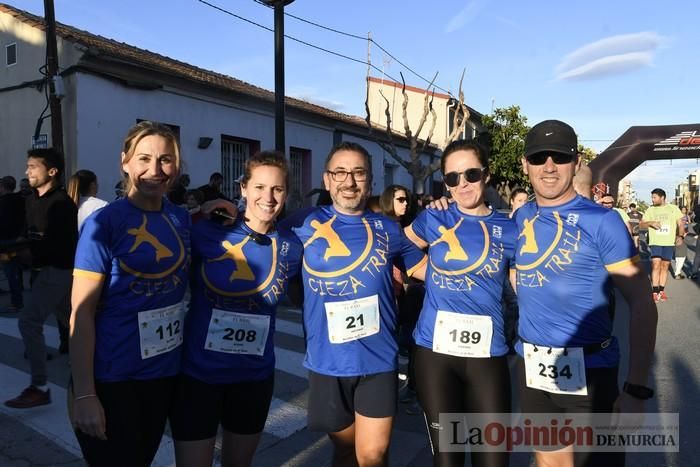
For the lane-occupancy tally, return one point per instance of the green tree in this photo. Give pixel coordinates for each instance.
(587, 153)
(642, 205)
(506, 131)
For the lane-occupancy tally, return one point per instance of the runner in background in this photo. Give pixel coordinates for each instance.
(635, 218)
(666, 230)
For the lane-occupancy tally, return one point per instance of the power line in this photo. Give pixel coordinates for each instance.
(308, 44)
(337, 31)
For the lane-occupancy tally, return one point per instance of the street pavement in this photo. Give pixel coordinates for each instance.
(42, 436)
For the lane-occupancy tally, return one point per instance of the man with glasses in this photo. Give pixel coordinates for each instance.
(666, 229)
(568, 250)
(608, 201)
(350, 317)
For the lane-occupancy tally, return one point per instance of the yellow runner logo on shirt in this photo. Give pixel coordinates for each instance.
(455, 250)
(235, 254)
(324, 230)
(142, 237)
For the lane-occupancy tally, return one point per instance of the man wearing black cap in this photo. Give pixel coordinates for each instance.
(569, 251)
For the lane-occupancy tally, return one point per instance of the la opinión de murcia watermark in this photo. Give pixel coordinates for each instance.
(601, 432)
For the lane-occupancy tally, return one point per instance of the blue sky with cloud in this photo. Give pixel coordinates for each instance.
(601, 66)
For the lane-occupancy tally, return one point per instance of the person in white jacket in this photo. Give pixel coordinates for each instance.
(82, 188)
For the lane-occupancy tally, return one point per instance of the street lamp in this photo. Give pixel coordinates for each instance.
(279, 5)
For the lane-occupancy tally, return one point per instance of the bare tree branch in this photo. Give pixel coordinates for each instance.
(393, 152)
(463, 112)
(404, 110)
(427, 105)
(426, 142)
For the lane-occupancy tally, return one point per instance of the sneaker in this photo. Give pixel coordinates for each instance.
(655, 297)
(30, 397)
(662, 296)
(679, 276)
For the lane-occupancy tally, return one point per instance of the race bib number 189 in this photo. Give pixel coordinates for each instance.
(462, 335)
(160, 330)
(353, 319)
(556, 370)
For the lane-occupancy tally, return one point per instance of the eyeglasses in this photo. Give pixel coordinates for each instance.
(360, 175)
(607, 203)
(473, 175)
(559, 158)
(401, 199)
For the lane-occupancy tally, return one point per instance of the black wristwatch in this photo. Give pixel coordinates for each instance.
(638, 391)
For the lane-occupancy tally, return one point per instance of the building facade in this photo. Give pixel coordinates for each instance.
(109, 86)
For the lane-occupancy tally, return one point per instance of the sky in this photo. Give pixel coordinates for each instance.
(601, 66)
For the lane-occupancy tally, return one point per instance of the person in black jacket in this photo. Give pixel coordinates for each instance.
(51, 224)
(212, 190)
(11, 226)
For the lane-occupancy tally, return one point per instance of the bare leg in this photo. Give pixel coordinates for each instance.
(562, 458)
(663, 272)
(344, 447)
(194, 453)
(372, 438)
(238, 450)
(655, 271)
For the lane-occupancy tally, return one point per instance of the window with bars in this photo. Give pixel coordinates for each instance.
(234, 154)
(299, 177)
(10, 54)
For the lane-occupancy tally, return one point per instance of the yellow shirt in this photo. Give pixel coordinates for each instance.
(668, 216)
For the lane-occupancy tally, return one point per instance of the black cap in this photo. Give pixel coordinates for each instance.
(551, 136)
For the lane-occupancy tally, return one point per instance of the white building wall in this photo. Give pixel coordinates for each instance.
(106, 110)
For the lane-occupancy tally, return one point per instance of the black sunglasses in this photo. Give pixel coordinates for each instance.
(401, 199)
(473, 175)
(559, 158)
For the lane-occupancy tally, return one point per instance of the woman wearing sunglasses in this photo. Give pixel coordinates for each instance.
(460, 356)
(394, 202)
(240, 272)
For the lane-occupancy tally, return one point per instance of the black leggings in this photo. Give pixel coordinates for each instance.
(135, 412)
(461, 385)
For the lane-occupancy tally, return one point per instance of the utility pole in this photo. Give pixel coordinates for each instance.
(278, 6)
(52, 71)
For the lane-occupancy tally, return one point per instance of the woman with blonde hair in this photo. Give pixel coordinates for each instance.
(82, 188)
(129, 283)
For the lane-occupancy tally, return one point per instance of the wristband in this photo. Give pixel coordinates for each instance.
(86, 396)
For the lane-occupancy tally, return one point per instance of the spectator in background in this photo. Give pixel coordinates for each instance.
(373, 204)
(177, 193)
(52, 224)
(193, 201)
(82, 188)
(518, 197)
(212, 190)
(583, 181)
(12, 216)
(409, 294)
(118, 190)
(24, 188)
(635, 217)
(608, 201)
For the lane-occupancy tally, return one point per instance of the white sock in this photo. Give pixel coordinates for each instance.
(43, 388)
